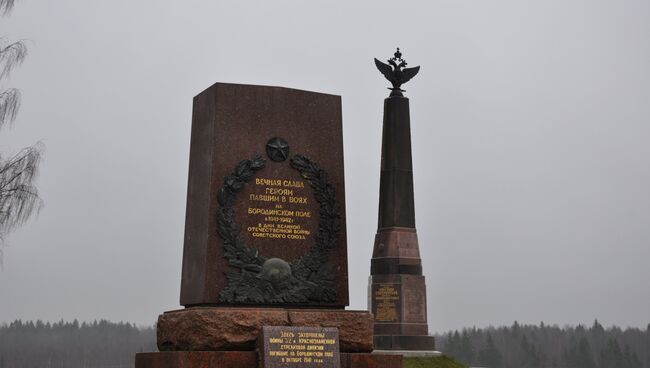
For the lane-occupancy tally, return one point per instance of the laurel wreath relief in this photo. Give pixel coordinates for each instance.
(310, 278)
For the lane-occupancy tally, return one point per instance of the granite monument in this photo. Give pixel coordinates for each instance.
(397, 291)
(265, 237)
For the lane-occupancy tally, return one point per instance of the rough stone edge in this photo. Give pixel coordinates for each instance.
(355, 338)
(168, 328)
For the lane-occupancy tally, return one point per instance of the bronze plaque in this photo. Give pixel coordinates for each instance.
(265, 220)
(300, 347)
(386, 302)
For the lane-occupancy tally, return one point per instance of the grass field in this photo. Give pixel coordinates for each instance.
(432, 362)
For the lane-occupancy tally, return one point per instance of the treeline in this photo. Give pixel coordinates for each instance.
(100, 344)
(104, 344)
(545, 346)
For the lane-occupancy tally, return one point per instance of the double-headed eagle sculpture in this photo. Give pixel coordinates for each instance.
(396, 72)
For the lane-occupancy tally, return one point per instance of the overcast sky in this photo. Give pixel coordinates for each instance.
(530, 124)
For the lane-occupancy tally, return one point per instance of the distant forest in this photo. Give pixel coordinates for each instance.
(546, 346)
(104, 344)
(100, 344)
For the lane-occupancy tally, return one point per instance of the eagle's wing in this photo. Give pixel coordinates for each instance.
(385, 69)
(409, 73)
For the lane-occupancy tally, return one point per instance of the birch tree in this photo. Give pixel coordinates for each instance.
(19, 199)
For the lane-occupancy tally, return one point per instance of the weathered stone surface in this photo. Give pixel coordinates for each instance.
(399, 304)
(215, 328)
(197, 359)
(355, 327)
(232, 123)
(249, 359)
(219, 328)
(405, 342)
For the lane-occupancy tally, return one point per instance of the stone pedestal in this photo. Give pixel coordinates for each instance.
(223, 328)
(250, 359)
(223, 337)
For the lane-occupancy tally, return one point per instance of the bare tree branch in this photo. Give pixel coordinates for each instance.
(9, 105)
(6, 6)
(11, 56)
(19, 198)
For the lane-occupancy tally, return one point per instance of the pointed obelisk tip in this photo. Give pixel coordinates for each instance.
(396, 72)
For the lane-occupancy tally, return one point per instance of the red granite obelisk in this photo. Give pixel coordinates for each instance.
(397, 287)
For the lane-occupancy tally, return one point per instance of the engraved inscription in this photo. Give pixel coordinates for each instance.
(300, 347)
(279, 208)
(386, 301)
(264, 279)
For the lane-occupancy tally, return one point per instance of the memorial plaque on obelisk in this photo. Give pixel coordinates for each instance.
(397, 292)
(265, 222)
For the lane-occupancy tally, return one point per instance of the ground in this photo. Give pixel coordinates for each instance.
(433, 362)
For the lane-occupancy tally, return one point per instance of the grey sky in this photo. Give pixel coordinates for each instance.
(530, 124)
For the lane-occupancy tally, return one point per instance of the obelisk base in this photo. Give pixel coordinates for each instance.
(397, 293)
(405, 342)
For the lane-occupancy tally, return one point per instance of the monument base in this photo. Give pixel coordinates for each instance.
(410, 353)
(250, 359)
(404, 342)
(227, 328)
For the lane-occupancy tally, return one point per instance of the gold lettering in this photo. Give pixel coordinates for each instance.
(264, 198)
(279, 191)
(386, 298)
(270, 212)
(269, 198)
(300, 200)
(265, 182)
(278, 353)
(293, 184)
